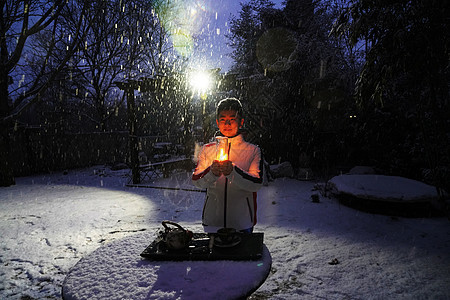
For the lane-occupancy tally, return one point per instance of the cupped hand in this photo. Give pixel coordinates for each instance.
(227, 167)
(216, 168)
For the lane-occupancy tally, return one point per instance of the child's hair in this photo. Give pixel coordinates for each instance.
(230, 104)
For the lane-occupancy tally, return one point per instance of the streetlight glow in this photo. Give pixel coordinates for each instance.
(200, 81)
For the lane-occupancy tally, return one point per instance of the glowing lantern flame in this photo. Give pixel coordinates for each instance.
(222, 155)
(222, 148)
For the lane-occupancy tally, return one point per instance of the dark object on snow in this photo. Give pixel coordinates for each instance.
(175, 238)
(333, 262)
(315, 198)
(204, 247)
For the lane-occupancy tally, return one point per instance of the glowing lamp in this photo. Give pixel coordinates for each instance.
(221, 148)
(201, 82)
(222, 155)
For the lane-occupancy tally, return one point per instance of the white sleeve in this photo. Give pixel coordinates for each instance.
(202, 176)
(250, 180)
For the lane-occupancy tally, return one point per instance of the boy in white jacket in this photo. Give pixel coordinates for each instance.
(231, 184)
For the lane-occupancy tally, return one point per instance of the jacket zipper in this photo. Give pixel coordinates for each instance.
(225, 194)
(249, 210)
(204, 208)
(225, 204)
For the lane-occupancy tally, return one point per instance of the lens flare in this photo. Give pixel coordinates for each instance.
(182, 20)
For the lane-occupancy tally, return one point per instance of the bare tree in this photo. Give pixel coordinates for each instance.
(19, 21)
(99, 62)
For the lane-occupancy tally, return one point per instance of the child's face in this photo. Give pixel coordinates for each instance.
(229, 123)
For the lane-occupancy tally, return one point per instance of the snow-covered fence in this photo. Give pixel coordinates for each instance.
(34, 151)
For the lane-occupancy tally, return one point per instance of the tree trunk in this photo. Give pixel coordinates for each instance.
(6, 172)
(132, 140)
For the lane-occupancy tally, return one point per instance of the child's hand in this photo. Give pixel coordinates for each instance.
(227, 167)
(216, 168)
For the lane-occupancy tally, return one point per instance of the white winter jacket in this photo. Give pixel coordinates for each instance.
(230, 200)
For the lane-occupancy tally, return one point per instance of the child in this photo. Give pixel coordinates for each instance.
(231, 184)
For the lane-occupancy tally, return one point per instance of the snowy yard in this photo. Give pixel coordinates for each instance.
(319, 250)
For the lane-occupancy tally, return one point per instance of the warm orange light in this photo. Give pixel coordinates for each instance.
(222, 148)
(222, 155)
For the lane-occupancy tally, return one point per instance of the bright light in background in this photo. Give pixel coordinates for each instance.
(181, 19)
(200, 81)
(197, 29)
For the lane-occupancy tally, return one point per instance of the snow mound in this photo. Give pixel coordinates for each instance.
(387, 195)
(382, 187)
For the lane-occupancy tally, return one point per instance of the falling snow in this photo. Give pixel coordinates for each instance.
(319, 250)
(290, 76)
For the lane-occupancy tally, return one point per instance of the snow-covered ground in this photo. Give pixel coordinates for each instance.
(319, 250)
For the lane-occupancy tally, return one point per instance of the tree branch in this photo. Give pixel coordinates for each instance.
(55, 10)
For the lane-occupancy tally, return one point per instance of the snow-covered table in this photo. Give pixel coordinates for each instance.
(383, 194)
(116, 271)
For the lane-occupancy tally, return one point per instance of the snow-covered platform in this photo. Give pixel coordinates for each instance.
(117, 271)
(383, 194)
